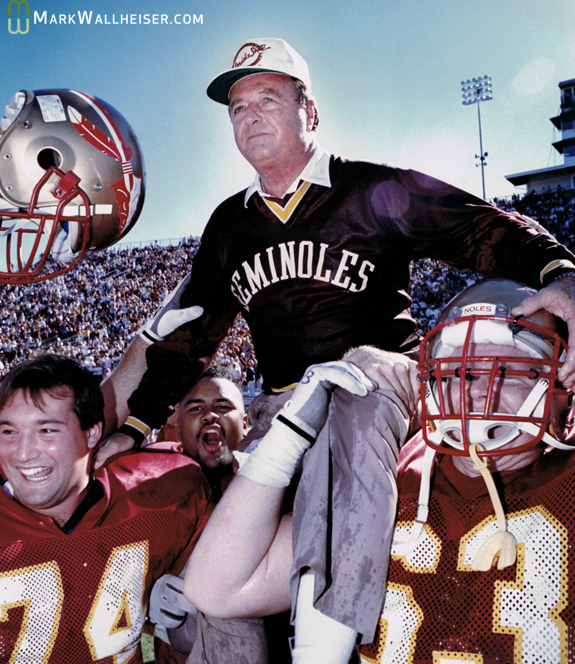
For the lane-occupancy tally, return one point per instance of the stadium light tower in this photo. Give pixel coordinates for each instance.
(475, 91)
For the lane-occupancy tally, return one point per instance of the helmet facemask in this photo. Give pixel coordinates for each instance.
(491, 380)
(34, 235)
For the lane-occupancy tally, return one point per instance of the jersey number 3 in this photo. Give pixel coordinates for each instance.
(526, 607)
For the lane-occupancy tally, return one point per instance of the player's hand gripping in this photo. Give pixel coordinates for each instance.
(391, 371)
(297, 425)
(558, 298)
(169, 316)
(116, 443)
(168, 606)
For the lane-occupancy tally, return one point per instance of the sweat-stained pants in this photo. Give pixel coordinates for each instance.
(345, 504)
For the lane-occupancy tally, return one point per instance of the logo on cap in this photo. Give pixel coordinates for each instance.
(249, 51)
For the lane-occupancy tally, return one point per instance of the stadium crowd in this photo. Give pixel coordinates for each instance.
(554, 209)
(92, 312)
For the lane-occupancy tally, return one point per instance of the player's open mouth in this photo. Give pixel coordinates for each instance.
(212, 438)
(37, 474)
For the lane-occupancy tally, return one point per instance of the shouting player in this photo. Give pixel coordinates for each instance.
(211, 423)
(79, 552)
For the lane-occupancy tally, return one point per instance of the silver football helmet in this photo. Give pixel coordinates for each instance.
(71, 179)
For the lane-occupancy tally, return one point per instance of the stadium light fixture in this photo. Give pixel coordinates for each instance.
(475, 91)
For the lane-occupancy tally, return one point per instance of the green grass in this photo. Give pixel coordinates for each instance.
(148, 648)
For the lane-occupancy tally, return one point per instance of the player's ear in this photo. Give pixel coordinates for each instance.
(310, 114)
(246, 424)
(93, 435)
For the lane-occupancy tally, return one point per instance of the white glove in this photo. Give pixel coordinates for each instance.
(169, 316)
(168, 606)
(298, 423)
(308, 406)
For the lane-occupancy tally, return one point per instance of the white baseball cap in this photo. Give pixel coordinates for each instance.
(258, 56)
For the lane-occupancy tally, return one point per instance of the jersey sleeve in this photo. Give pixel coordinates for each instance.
(175, 364)
(164, 481)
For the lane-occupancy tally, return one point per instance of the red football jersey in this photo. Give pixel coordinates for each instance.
(438, 610)
(83, 597)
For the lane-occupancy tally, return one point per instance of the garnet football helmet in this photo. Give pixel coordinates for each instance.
(456, 352)
(71, 179)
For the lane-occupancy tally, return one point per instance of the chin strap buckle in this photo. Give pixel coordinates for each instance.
(65, 185)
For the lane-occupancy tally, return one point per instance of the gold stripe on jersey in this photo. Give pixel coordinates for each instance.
(108, 624)
(123, 620)
(446, 657)
(287, 388)
(404, 615)
(39, 590)
(284, 213)
(423, 558)
(142, 427)
(553, 265)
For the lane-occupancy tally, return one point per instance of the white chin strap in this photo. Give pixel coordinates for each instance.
(63, 242)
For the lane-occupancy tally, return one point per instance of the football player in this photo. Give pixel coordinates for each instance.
(79, 552)
(211, 422)
(480, 557)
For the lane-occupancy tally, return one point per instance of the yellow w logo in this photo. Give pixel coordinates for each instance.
(18, 28)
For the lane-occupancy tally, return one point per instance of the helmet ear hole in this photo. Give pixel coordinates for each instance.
(49, 157)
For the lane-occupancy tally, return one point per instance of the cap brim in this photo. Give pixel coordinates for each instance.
(219, 88)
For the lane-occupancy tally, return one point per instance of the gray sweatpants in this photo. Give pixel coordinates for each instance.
(345, 505)
(218, 641)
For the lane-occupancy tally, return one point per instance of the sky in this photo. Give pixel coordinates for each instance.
(386, 75)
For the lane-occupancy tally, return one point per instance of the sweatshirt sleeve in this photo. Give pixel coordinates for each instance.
(433, 219)
(174, 365)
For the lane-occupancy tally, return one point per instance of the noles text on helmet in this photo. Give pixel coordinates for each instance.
(71, 179)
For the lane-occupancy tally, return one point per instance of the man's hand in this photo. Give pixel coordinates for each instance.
(391, 371)
(168, 606)
(310, 399)
(119, 442)
(559, 299)
(169, 315)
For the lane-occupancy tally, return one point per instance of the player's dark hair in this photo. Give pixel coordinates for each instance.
(217, 371)
(61, 376)
(303, 97)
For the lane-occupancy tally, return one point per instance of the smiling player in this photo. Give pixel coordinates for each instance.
(79, 552)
